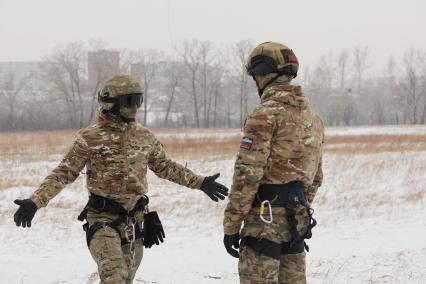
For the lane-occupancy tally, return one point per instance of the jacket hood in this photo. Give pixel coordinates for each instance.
(286, 94)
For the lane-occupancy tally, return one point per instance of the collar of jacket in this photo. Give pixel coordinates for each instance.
(108, 121)
(285, 93)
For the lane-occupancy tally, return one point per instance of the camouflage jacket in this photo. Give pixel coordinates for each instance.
(282, 142)
(116, 156)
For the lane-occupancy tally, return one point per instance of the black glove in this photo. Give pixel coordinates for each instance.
(232, 244)
(214, 189)
(153, 230)
(25, 213)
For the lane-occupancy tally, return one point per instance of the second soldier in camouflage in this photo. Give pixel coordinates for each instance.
(276, 176)
(117, 153)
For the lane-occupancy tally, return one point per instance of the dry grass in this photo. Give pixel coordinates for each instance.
(222, 145)
(365, 144)
(415, 196)
(34, 146)
(409, 138)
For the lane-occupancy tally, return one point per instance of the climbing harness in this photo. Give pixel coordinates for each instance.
(132, 229)
(288, 196)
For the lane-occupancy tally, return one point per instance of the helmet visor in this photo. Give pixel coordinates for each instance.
(130, 100)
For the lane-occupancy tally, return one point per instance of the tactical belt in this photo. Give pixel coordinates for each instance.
(280, 194)
(102, 204)
(287, 195)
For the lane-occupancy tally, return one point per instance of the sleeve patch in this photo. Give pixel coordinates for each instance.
(246, 143)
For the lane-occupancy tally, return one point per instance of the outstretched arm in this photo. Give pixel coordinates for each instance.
(166, 168)
(66, 172)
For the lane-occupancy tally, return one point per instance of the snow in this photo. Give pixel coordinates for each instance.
(376, 130)
(370, 212)
(191, 134)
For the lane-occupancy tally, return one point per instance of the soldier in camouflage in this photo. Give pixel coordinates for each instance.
(277, 173)
(116, 152)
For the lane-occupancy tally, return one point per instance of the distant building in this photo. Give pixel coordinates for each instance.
(102, 64)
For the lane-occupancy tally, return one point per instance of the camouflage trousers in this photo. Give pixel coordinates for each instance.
(255, 268)
(112, 258)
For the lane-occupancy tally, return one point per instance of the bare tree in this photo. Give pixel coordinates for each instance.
(188, 51)
(205, 88)
(342, 66)
(172, 74)
(323, 74)
(411, 84)
(216, 90)
(348, 110)
(146, 62)
(200, 64)
(378, 105)
(10, 91)
(240, 52)
(207, 68)
(65, 69)
(394, 102)
(422, 84)
(360, 56)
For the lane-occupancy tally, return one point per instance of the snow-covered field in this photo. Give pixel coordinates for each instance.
(370, 210)
(376, 130)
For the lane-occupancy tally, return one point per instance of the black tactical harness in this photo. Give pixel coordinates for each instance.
(101, 204)
(287, 195)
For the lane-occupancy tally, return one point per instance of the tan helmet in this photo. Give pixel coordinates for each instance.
(123, 90)
(272, 57)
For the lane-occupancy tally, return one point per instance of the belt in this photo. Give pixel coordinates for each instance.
(279, 194)
(103, 204)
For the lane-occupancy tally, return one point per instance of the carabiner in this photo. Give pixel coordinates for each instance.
(262, 210)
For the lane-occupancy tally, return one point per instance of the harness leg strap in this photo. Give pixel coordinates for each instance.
(263, 246)
(94, 228)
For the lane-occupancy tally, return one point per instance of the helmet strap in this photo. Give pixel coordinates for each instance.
(260, 90)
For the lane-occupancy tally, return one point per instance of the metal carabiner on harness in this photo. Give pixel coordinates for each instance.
(262, 210)
(131, 222)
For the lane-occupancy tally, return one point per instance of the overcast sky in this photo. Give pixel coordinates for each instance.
(29, 29)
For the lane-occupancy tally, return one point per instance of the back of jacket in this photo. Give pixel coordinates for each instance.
(296, 141)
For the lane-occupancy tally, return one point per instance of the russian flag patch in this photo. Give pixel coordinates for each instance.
(246, 143)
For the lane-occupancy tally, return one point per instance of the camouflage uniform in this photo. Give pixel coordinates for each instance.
(285, 144)
(116, 155)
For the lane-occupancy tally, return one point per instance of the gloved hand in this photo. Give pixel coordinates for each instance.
(153, 230)
(214, 189)
(25, 213)
(232, 244)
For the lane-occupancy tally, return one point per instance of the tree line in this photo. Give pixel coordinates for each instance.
(202, 85)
